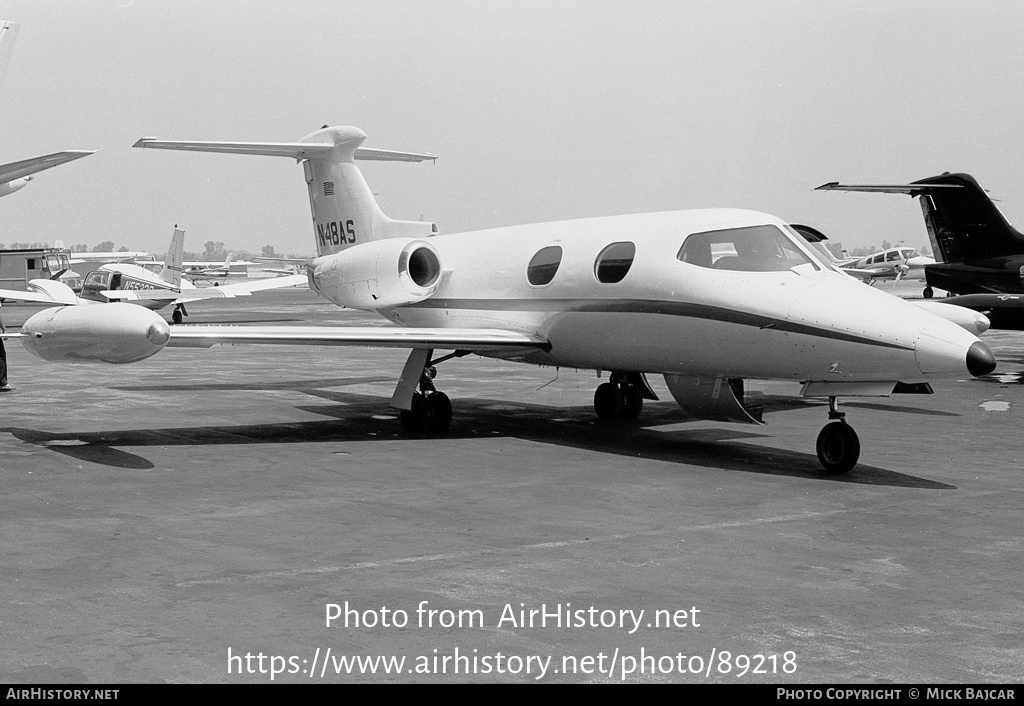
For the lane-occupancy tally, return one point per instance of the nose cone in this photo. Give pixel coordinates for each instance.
(980, 360)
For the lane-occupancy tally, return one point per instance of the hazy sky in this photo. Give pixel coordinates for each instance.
(539, 110)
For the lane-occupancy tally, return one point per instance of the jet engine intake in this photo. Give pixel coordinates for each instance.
(379, 274)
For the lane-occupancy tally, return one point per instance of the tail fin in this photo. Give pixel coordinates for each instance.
(963, 222)
(171, 273)
(344, 210)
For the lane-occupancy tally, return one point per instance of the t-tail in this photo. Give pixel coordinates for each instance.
(345, 212)
(964, 225)
(171, 273)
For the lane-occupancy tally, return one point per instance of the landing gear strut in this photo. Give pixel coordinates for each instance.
(838, 445)
(622, 397)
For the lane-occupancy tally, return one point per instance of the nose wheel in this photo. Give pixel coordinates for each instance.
(838, 445)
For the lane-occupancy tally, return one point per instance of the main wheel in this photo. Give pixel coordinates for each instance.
(439, 412)
(176, 316)
(928, 292)
(415, 420)
(838, 447)
(608, 401)
(632, 402)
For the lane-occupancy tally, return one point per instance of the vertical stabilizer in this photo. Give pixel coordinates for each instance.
(171, 273)
(345, 213)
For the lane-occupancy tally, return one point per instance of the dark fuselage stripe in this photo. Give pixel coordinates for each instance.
(650, 306)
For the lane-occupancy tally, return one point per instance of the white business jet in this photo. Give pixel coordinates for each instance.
(708, 298)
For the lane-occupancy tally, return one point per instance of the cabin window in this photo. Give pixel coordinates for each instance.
(614, 262)
(30, 263)
(894, 255)
(750, 249)
(544, 265)
(878, 258)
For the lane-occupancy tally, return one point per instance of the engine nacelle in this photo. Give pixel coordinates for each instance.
(378, 274)
(104, 333)
(716, 398)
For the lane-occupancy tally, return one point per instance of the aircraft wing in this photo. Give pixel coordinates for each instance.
(296, 150)
(228, 291)
(859, 273)
(42, 292)
(203, 336)
(17, 170)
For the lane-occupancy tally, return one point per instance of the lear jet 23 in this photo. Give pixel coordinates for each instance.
(708, 298)
(131, 283)
(15, 175)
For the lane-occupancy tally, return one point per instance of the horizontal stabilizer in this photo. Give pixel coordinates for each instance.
(382, 337)
(17, 170)
(295, 150)
(909, 189)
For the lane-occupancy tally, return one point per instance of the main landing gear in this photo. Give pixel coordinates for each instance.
(622, 397)
(179, 310)
(838, 445)
(928, 292)
(429, 410)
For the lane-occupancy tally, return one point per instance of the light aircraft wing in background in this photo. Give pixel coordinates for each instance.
(177, 296)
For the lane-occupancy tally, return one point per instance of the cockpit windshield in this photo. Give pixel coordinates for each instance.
(763, 248)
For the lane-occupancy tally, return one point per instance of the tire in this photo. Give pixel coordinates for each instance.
(438, 413)
(928, 292)
(632, 402)
(176, 316)
(838, 448)
(608, 402)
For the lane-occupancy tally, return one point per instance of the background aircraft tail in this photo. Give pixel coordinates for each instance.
(171, 273)
(963, 223)
(345, 212)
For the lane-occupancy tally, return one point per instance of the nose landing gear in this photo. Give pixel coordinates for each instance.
(838, 445)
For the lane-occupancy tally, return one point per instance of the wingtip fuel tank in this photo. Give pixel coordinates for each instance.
(110, 333)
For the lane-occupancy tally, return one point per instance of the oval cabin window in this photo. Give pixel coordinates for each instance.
(614, 262)
(544, 265)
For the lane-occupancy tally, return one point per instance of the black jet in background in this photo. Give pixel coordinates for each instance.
(980, 256)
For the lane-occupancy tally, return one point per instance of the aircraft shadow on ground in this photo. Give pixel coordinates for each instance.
(359, 419)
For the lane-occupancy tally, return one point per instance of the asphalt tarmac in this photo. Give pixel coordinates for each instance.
(217, 516)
